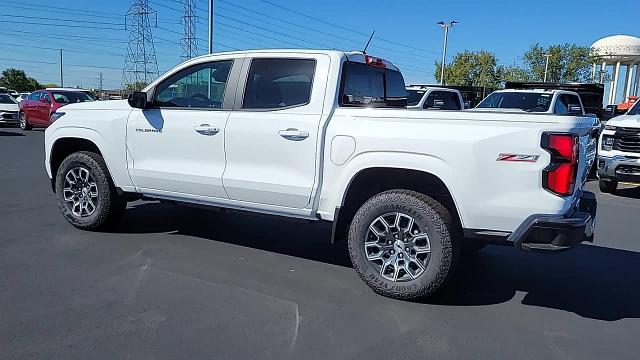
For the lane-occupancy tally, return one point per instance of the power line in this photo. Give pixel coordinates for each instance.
(58, 19)
(60, 10)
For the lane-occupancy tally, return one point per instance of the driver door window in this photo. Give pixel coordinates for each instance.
(200, 86)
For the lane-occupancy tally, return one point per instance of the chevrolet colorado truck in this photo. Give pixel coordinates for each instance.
(325, 135)
(619, 157)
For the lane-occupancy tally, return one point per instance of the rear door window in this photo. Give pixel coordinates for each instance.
(34, 96)
(443, 100)
(279, 83)
(369, 86)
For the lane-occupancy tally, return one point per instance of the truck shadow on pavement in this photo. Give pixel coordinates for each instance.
(628, 192)
(591, 281)
(10, 133)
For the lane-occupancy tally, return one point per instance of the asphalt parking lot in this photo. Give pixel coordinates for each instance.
(180, 283)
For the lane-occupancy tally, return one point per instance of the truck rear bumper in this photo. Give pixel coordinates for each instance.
(550, 233)
(619, 168)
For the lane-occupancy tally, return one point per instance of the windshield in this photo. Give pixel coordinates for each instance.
(6, 99)
(414, 97)
(70, 97)
(527, 101)
(635, 110)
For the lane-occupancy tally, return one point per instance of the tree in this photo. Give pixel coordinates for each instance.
(136, 86)
(470, 68)
(513, 73)
(567, 63)
(17, 80)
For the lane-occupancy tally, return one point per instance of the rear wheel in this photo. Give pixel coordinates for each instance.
(86, 194)
(24, 123)
(402, 245)
(608, 186)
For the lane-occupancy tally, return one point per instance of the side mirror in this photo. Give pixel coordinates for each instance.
(138, 100)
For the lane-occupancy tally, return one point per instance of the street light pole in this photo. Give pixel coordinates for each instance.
(446, 27)
(61, 76)
(210, 26)
(546, 67)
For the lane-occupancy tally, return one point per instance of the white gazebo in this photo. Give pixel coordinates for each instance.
(618, 51)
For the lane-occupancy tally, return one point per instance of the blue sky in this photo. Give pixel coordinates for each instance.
(94, 38)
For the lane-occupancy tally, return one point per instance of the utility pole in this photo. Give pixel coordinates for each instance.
(141, 64)
(446, 27)
(210, 26)
(546, 67)
(61, 76)
(100, 85)
(189, 40)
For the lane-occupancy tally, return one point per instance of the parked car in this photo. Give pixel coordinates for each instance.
(8, 110)
(619, 145)
(433, 98)
(300, 134)
(39, 108)
(89, 93)
(22, 96)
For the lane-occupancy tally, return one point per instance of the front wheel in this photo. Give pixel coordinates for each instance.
(24, 123)
(86, 194)
(402, 244)
(608, 186)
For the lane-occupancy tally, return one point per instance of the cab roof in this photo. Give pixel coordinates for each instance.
(353, 56)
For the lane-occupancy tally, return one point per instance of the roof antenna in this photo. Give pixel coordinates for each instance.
(368, 42)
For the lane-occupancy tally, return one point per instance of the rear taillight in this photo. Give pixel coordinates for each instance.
(560, 176)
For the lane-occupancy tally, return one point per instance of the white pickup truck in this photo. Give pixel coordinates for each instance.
(425, 97)
(619, 157)
(325, 135)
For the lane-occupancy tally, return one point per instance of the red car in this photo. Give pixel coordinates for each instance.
(36, 109)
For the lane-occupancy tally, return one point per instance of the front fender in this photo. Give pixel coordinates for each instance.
(113, 154)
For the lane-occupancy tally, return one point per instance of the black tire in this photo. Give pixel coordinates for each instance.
(608, 186)
(24, 122)
(428, 215)
(109, 206)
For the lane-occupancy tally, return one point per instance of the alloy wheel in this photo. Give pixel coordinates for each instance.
(397, 246)
(80, 192)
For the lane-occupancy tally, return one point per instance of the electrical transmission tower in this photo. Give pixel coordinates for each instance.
(189, 40)
(141, 64)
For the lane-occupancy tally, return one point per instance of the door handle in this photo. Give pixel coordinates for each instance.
(293, 134)
(206, 129)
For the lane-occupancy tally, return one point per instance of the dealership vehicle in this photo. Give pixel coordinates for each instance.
(39, 108)
(8, 110)
(433, 98)
(619, 157)
(325, 135)
(591, 95)
(22, 96)
(89, 93)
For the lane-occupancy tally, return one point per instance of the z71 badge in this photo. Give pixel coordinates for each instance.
(518, 157)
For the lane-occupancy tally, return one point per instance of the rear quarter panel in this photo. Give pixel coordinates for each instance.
(461, 148)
